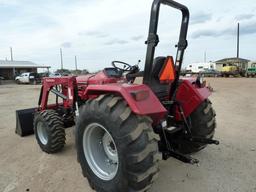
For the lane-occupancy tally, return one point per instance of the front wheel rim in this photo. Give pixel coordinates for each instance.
(42, 133)
(100, 151)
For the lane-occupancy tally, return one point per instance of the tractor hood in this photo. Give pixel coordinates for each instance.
(102, 77)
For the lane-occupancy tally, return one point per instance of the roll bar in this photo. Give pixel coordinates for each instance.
(153, 39)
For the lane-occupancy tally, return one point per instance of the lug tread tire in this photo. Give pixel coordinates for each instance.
(203, 123)
(134, 134)
(55, 131)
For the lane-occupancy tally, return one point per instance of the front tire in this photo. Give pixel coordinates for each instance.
(49, 131)
(203, 124)
(135, 163)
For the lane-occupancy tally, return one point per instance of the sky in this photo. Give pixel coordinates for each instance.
(100, 31)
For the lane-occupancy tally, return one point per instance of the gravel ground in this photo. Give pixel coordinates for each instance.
(231, 166)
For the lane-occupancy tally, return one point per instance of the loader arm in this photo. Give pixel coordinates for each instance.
(67, 93)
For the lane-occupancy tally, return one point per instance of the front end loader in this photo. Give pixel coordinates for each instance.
(123, 129)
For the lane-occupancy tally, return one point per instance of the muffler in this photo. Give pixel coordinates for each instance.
(24, 121)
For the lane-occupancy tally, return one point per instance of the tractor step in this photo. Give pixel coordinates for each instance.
(170, 129)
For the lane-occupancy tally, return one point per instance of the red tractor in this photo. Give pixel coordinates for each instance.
(123, 128)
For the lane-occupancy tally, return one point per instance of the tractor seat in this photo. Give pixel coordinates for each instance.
(160, 89)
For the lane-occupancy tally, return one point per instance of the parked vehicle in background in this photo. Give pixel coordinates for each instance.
(251, 70)
(211, 73)
(1, 79)
(28, 77)
(55, 75)
(44, 74)
(200, 67)
(228, 71)
(205, 73)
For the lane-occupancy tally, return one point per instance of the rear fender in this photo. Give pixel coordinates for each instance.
(149, 106)
(190, 97)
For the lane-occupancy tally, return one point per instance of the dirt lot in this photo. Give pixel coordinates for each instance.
(228, 167)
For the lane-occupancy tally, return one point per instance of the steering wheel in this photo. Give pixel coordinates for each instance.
(122, 66)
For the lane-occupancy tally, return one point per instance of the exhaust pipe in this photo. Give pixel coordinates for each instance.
(24, 121)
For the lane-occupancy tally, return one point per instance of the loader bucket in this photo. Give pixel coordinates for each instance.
(24, 121)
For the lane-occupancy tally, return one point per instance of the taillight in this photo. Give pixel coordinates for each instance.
(140, 95)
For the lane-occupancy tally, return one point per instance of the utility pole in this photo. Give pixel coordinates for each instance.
(205, 56)
(11, 54)
(76, 63)
(238, 39)
(61, 59)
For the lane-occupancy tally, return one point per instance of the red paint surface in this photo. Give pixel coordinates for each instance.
(67, 85)
(91, 86)
(190, 97)
(151, 106)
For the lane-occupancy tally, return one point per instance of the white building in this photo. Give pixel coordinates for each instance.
(199, 67)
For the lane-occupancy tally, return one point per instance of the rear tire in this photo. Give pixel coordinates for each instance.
(49, 131)
(203, 124)
(135, 142)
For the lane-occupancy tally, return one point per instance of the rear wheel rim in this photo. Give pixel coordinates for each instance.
(100, 151)
(42, 133)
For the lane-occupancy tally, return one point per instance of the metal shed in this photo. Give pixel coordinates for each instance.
(10, 69)
(239, 62)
